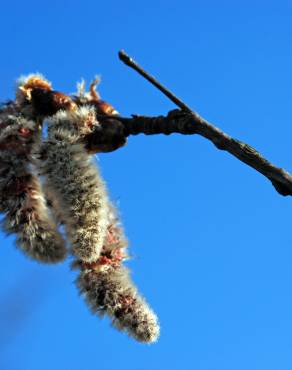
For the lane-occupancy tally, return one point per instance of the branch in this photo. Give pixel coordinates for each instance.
(189, 122)
(125, 58)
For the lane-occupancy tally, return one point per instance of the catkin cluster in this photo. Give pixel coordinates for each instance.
(52, 180)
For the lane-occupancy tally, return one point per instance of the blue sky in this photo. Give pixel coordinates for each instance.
(210, 238)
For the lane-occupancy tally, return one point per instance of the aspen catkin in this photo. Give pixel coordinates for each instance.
(76, 181)
(109, 290)
(21, 198)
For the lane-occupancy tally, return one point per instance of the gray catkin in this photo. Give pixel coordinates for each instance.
(109, 290)
(76, 182)
(21, 199)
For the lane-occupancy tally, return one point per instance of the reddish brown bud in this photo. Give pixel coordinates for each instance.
(47, 103)
(102, 107)
(29, 84)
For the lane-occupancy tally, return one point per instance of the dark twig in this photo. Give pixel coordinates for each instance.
(131, 63)
(189, 122)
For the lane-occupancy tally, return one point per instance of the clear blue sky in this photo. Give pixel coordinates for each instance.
(211, 239)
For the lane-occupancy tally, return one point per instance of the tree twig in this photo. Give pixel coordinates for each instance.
(131, 63)
(187, 124)
(190, 122)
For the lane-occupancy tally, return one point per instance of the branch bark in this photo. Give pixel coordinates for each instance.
(189, 123)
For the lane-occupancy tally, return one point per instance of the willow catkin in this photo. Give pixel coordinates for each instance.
(76, 181)
(109, 290)
(21, 199)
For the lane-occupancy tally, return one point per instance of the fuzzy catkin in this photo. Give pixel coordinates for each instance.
(109, 290)
(76, 182)
(21, 199)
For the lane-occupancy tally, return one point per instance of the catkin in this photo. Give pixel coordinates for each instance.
(21, 199)
(109, 290)
(76, 181)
